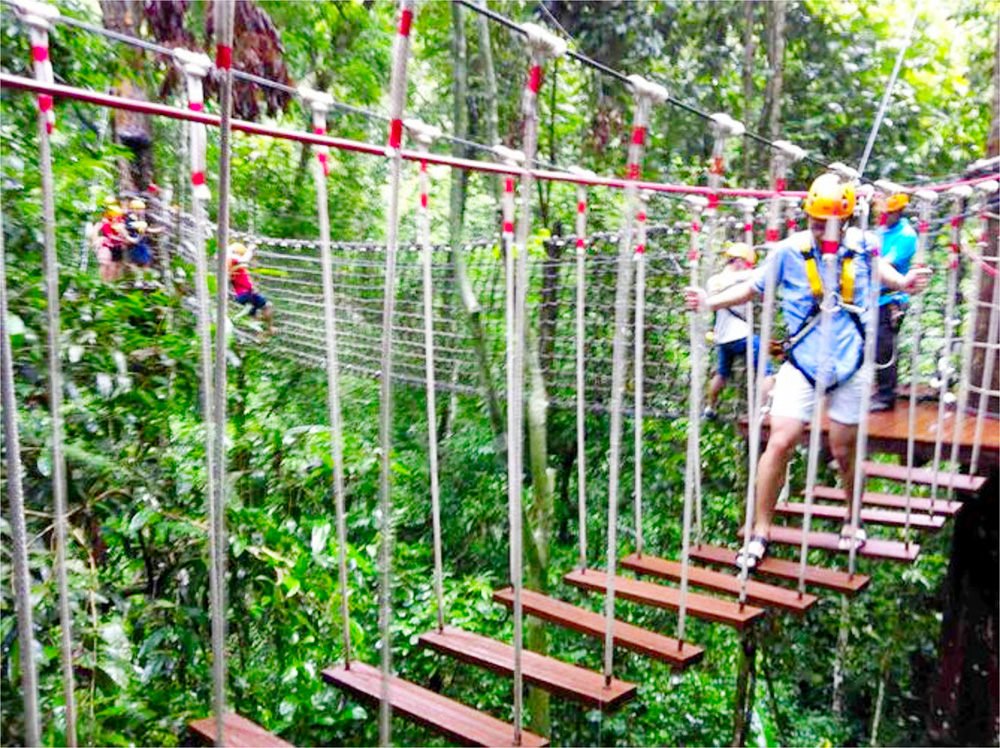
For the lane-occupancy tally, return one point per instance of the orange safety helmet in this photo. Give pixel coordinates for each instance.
(896, 202)
(829, 198)
(742, 251)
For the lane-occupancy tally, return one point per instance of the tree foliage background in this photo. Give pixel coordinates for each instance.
(134, 434)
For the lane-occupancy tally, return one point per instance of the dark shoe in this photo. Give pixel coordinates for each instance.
(882, 406)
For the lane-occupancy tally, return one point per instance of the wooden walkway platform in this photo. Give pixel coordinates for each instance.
(659, 647)
(842, 513)
(458, 722)
(816, 576)
(555, 676)
(888, 430)
(888, 550)
(238, 732)
(759, 593)
(891, 501)
(661, 596)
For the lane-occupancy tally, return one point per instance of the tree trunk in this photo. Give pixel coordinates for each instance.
(770, 118)
(538, 521)
(130, 129)
(964, 700)
(467, 295)
(749, 49)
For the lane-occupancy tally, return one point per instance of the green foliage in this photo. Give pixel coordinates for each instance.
(135, 437)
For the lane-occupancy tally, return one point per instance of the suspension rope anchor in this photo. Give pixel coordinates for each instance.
(725, 126)
(788, 151)
(423, 134)
(845, 172)
(647, 89)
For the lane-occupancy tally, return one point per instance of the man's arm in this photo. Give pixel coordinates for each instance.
(914, 281)
(697, 300)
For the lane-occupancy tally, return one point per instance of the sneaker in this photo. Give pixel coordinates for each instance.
(848, 536)
(709, 414)
(882, 406)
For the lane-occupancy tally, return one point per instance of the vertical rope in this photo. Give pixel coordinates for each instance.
(195, 66)
(867, 372)
(424, 135)
(990, 354)
(22, 575)
(830, 244)
(513, 159)
(541, 45)
(397, 102)
(646, 94)
(696, 204)
(925, 199)
(638, 359)
(38, 21)
(754, 395)
(959, 194)
(224, 15)
(724, 127)
(581, 400)
(968, 340)
(320, 104)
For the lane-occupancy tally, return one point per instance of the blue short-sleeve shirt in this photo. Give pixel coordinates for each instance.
(899, 244)
(788, 263)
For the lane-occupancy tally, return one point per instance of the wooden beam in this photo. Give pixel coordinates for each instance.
(918, 520)
(238, 732)
(768, 595)
(660, 596)
(554, 676)
(459, 722)
(645, 642)
(817, 576)
(891, 501)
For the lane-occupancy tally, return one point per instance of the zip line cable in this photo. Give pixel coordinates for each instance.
(888, 93)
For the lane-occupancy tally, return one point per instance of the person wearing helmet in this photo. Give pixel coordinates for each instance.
(240, 256)
(731, 328)
(796, 269)
(899, 244)
(139, 231)
(110, 239)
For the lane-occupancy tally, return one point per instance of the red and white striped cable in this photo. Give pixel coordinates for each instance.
(196, 66)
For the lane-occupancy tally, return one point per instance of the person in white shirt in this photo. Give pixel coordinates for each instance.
(731, 329)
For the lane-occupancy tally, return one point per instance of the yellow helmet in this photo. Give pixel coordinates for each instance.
(110, 201)
(742, 251)
(136, 204)
(115, 210)
(896, 202)
(829, 198)
(239, 252)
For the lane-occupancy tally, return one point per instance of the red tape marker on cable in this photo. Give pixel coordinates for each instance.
(223, 57)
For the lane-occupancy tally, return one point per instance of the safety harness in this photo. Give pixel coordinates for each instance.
(844, 299)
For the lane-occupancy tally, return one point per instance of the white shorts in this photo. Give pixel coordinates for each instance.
(794, 397)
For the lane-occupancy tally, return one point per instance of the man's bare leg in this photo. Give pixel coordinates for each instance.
(843, 446)
(714, 388)
(785, 434)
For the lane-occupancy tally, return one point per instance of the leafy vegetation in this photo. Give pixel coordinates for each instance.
(135, 438)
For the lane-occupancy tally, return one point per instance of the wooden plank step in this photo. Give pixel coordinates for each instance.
(238, 732)
(918, 520)
(648, 593)
(458, 722)
(553, 675)
(645, 642)
(817, 576)
(892, 501)
(760, 593)
(889, 550)
(924, 476)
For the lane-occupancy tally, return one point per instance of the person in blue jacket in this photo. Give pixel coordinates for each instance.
(899, 244)
(797, 268)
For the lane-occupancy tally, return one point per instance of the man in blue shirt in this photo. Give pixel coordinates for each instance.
(797, 269)
(899, 244)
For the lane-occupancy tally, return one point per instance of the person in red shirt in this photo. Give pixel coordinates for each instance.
(243, 292)
(110, 238)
